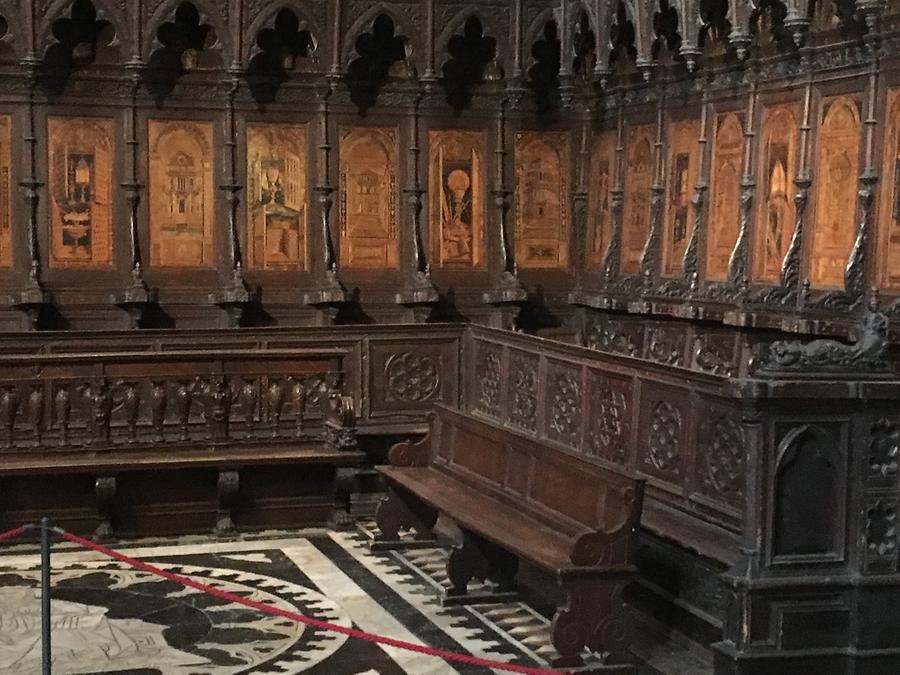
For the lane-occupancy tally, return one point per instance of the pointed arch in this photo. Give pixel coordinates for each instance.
(303, 14)
(107, 10)
(208, 15)
(534, 31)
(15, 33)
(364, 23)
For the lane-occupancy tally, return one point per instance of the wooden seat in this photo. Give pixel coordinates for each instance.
(515, 499)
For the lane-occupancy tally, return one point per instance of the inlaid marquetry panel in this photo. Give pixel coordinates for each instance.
(603, 159)
(681, 164)
(80, 187)
(837, 171)
(775, 210)
(638, 180)
(181, 193)
(725, 189)
(542, 189)
(889, 213)
(5, 192)
(457, 197)
(368, 204)
(276, 196)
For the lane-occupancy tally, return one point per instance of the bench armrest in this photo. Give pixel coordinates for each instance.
(614, 542)
(413, 454)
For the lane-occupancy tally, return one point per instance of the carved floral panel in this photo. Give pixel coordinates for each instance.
(488, 374)
(681, 164)
(457, 197)
(181, 194)
(603, 159)
(662, 448)
(6, 258)
(542, 193)
(368, 197)
(564, 414)
(775, 204)
(889, 213)
(80, 168)
(837, 171)
(725, 189)
(720, 458)
(276, 196)
(608, 424)
(638, 180)
(523, 390)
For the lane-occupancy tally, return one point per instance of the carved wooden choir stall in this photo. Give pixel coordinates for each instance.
(246, 247)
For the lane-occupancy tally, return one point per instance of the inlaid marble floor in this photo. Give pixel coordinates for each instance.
(108, 618)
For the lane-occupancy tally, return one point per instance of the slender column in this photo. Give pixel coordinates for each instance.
(429, 41)
(518, 29)
(336, 36)
(690, 263)
(650, 255)
(738, 274)
(612, 256)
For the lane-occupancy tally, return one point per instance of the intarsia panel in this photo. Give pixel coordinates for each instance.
(725, 189)
(368, 215)
(6, 259)
(889, 213)
(682, 175)
(276, 196)
(542, 189)
(80, 187)
(457, 194)
(603, 161)
(775, 211)
(638, 180)
(837, 171)
(181, 194)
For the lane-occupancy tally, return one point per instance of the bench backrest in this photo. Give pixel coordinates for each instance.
(552, 486)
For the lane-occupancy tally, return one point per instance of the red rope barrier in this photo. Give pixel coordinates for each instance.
(315, 623)
(15, 532)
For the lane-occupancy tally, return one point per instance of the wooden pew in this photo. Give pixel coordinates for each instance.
(514, 498)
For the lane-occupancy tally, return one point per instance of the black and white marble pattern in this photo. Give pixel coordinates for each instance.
(108, 618)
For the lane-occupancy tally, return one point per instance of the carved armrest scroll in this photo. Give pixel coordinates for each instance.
(612, 543)
(409, 454)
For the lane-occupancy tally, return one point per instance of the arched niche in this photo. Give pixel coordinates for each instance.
(380, 53)
(284, 45)
(471, 59)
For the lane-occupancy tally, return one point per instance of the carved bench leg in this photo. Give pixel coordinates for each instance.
(481, 560)
(399, 512)
(229, 485)
(592, 618)
(345, 484)
(105, 493)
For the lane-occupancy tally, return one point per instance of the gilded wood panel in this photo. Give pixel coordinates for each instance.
(603, 159)
(6, 258)
(775, 209)
(80, 165)
(457, 197)
(889, 214)
(542, 191)
(368, 214)
(276, 196)
(681, 164)
(725, 189)
(181, 193)
(837, 171)
(638, 180)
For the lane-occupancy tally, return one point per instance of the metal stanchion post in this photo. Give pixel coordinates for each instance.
(45, 596)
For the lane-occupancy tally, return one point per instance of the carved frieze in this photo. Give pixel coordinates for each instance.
(80, 167)
(368, 197)
(725, 189)
(638, 178)
(457, 192)
(6, 256)
(715, 353)
(681, 164)
(616, 336)
(666, 344)
(542, 195)
(181, 193)
(603, 159)
(775, 212)
(836, 174)
(276, 196)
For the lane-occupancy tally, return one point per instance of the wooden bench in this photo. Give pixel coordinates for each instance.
(516, 499)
